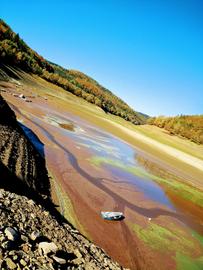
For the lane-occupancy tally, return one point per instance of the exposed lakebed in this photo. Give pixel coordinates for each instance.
(97, 171)
(127, 167)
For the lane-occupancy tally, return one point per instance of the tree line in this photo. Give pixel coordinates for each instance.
(187, 126)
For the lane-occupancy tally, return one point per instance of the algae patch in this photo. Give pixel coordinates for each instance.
(198, 237)
(187, 263)
(162, 238)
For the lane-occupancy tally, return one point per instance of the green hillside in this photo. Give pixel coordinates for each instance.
(14, 51)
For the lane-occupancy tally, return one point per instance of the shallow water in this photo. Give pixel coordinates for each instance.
(105, 146)
(149, 188)
(34, 139)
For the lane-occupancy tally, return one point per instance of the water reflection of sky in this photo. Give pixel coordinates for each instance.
(151, 189)
(33, 138)
(96, 141)
(106, 146)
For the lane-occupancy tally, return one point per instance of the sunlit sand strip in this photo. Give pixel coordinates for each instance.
(186, 158)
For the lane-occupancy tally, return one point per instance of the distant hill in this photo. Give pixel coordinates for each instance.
(14, 51)
(187, 126)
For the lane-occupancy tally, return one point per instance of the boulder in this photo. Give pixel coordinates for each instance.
(11, 234)
(46, 248)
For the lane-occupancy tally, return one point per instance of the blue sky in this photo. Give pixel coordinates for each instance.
(149, 53)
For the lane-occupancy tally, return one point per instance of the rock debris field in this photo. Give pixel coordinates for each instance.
(30, 238)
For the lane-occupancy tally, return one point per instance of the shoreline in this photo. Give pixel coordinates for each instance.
(186, 158)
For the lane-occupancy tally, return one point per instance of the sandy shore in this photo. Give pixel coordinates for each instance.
(188, 159)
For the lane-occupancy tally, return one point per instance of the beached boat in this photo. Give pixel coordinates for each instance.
(112, 215)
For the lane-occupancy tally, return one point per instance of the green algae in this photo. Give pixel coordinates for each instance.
(187, 263)
(162, 238)
(198, 237)
(187, 192)
(173, 239)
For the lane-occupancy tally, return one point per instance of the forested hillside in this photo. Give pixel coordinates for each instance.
(14, 51)
(188, 126)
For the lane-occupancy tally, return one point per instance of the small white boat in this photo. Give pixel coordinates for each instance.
(112, 215)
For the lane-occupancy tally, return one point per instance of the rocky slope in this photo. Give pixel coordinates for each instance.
(30, 238)
(33, 235)
(18, 157)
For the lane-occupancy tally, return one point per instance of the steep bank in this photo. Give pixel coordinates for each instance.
(21, 164)
(30, 238)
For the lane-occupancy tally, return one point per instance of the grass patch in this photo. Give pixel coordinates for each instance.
(186, 263)
(162, 238)
(198, 237)
(185, 191)
(171, 239)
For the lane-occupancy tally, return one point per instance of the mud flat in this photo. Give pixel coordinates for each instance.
(97, 171)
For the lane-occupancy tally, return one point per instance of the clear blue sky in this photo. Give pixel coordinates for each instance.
(149, 53)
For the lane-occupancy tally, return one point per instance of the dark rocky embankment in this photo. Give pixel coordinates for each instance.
(20, 163)
(31, 238)
(33, 235)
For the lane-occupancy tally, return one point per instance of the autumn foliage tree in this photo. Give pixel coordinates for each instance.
(187, 126)
(14, 51)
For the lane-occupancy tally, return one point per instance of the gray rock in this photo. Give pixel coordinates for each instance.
(23, 262)
(11, 234)
(11, 253)
(24, 238)
(2, 238)
(77, 253)
(1, 194)
(8, 245)
(78, 261)
(59, 260)
(31, 202)
(7, 202)
(34, 235)
(46, 248)
(10, 264)
(15, 257)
